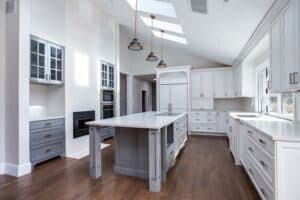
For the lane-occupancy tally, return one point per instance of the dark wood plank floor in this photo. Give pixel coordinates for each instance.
(204, 170)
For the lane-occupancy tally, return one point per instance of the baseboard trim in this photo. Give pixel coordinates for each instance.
(80, 154)
(1, 168)
(17, 170)
(131, 172)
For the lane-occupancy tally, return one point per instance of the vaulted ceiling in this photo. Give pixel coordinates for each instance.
(218, 35)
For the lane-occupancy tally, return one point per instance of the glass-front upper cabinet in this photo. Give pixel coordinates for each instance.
(107, 75)
(46, 62)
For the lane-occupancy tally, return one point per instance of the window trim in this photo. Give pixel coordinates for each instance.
(266, 64)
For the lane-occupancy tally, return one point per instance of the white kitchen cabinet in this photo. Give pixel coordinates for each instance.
(275, 44)
(222, 122)
(285, 62)
(228, 79)
(219, 84)
(243, 75)
(196, 83)
(178, 97)
(175, 95)
(207, 84)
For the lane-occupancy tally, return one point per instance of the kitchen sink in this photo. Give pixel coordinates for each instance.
(168, 114)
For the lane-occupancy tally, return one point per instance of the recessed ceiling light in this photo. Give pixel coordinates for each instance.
(171, 27)
(171, 37)
(155, 7)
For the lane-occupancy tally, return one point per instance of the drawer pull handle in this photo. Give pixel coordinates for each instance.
(262, 141)
(250, 149)
(263, 164)
(263, 192)
(48, 135)
(48, 124)
(48, 150)
(250, 132)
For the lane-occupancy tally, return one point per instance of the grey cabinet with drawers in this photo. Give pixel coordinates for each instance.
(47, 140)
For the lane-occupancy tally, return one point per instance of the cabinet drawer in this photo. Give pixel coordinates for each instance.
(40, 137)
(203, 127)
(265, 191)
(46, 151)
(263, 141)
(264, 162)
(47, 123)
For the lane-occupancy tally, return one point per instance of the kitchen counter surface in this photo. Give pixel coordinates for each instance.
(275, 128)
(147, 120)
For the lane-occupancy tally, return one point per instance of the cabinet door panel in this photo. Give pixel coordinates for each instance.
(289, 45)
(228, 83)
(207, 84)
(276, 55)
(164, 96)
(196, 84)
(178, 96)
(219, 83)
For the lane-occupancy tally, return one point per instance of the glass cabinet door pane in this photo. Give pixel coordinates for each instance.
(58, 64)
(53, 63)
(53, 75)
(33, 59)
(41, 48)
(59, 53)
(34, 45)
(53, 52)
(33, 72)
(41, 72)
(42, 61)
(59, 76)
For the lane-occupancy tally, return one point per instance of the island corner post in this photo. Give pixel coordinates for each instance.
(156, 173)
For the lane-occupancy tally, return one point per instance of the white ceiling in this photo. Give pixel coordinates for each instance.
(219, 36)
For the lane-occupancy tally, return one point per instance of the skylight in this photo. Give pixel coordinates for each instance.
(176, 28)
(171, 37)
(155, 7)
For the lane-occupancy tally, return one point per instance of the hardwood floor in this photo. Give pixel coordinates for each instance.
(204, 170)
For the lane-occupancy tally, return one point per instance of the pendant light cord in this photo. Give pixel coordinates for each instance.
(135, 18)
(151, 34)
(161, 44)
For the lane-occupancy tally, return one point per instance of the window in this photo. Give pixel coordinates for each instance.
(47, 61)
(274, 104)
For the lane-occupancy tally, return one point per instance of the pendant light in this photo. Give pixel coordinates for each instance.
(135, 45)
(152, 57)
(162, 63)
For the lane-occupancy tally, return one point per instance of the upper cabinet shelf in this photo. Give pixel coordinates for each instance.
(107, 75)
(46, 62)
(285, 62)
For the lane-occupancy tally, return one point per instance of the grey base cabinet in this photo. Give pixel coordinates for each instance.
(107, 132)
(47, 140)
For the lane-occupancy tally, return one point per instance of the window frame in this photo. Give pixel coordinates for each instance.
(261, 67)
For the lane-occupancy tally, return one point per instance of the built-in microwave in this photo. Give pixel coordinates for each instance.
(107, 96)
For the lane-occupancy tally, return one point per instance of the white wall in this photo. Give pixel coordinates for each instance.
(137, 87)
(17, 90)
(134, 62)
(89, 36)
(2, 84)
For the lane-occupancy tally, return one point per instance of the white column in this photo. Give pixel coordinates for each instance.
(154, 160)
(95, 152)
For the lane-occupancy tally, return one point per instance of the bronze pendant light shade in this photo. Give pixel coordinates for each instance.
(135, 44)
(152, 57)
(162, 63)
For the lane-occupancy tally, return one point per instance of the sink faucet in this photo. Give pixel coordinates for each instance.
(169, 108)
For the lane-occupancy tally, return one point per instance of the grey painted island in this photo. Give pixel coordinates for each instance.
(146, 145)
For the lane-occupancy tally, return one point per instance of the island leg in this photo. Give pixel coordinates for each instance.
(154, 160)
(95, 152)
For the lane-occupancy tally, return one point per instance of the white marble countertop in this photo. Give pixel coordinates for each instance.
(46, 117)
(148, 120)
(275, 128)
